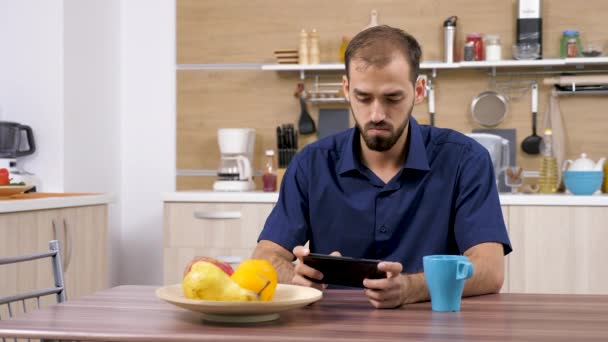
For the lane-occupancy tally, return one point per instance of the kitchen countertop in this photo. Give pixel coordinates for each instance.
(271, 197)
(9, 206)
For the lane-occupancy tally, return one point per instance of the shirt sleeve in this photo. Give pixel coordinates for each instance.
(288, 223)
(478, 215)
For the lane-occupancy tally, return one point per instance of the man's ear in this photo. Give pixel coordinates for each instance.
(420, 88)
(345, 87)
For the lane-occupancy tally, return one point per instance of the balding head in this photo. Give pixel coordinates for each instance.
(378, 45)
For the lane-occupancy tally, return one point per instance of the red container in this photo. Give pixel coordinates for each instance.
(477, 45)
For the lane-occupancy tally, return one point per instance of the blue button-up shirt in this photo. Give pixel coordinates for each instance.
(442, 201)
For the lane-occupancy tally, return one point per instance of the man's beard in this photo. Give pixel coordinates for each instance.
(378, 142)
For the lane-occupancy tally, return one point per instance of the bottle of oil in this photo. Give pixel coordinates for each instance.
(548, 165)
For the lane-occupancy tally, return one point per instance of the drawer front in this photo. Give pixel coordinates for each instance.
(209, 229)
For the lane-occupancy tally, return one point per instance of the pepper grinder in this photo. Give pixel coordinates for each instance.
(449, 38)
(314, 48)
(303, 50)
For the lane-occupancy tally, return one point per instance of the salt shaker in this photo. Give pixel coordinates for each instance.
(303, 50)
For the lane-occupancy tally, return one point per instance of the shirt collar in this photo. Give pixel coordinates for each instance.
(416, 158)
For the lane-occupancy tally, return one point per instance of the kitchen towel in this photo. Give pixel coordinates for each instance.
(332, 120)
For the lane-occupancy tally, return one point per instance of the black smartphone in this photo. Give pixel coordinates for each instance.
(345, 271)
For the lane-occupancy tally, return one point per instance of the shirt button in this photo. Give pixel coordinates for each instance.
(383, 229)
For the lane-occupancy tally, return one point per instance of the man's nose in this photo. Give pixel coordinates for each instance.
(377, 112)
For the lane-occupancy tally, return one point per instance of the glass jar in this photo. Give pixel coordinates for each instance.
(570, 44)
(477, 45)
(493, 47)
(269, 179)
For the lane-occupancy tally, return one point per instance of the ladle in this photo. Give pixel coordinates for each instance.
(531, 144)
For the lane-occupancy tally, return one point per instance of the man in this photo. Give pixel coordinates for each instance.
(389, 188)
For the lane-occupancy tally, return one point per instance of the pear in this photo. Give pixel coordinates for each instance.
(207, 281)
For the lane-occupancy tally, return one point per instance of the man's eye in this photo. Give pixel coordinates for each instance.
(363, 99)
(394, 99)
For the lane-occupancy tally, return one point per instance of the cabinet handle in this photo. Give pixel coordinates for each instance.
(217, 215)
(68, 242)
(54, 230)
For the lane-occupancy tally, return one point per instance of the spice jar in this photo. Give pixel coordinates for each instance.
(493, 48)
(570, 44)
(269, 178)
(477, 45)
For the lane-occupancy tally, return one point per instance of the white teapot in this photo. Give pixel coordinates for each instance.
(584, 164)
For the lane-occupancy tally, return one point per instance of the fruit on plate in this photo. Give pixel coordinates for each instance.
(4, 177)
(224, 266)
(257, 275)
(207, 281)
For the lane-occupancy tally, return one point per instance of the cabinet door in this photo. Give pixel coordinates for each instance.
(558, 250)
(209, 229)
(84, 231)
(25, 233)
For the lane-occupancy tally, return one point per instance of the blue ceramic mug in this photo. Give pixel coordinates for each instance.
(445, 276)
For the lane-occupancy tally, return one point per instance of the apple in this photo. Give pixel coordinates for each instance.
(222, 265)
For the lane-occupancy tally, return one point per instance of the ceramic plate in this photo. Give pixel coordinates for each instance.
(286, 297)
(8, 190)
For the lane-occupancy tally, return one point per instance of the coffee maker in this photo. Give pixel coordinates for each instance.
(16, 141)
(235, 172)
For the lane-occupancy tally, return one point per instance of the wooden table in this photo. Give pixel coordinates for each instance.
(133, 313)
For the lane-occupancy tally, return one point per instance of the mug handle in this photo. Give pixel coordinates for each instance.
(464, 270)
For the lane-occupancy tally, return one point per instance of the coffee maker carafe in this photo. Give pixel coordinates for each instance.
(235, 172)
(17, 140)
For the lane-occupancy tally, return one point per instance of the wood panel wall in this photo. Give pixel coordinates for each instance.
(239, 31)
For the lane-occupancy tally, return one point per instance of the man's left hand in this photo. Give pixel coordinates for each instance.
(389, 292)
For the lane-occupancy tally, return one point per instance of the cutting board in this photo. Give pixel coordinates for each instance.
(34, 195)
(332, 121)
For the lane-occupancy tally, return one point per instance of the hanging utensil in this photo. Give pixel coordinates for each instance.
(306, 125)
(489, 108)
(531, 144)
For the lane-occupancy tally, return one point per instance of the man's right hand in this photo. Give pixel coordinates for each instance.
(303, 271)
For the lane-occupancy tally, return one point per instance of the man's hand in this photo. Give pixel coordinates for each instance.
(302, 270)
(388, 292)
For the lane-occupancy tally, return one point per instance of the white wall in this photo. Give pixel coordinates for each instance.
(92, 120)
(96, 81)
(31, 81)
(148, 133)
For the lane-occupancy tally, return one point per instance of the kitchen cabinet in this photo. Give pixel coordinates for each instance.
(558, 249)
(209, 229)
(81, 232)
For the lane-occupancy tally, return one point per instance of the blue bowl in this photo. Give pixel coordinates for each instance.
(583, 182)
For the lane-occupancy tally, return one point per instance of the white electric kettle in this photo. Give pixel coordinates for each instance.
(583, 164)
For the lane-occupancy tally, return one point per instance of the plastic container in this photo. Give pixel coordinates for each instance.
(570, 44)
(605, 188)
(477, 45)
(269, 179)
(493, 51)
(583, 182)
(548, 166)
